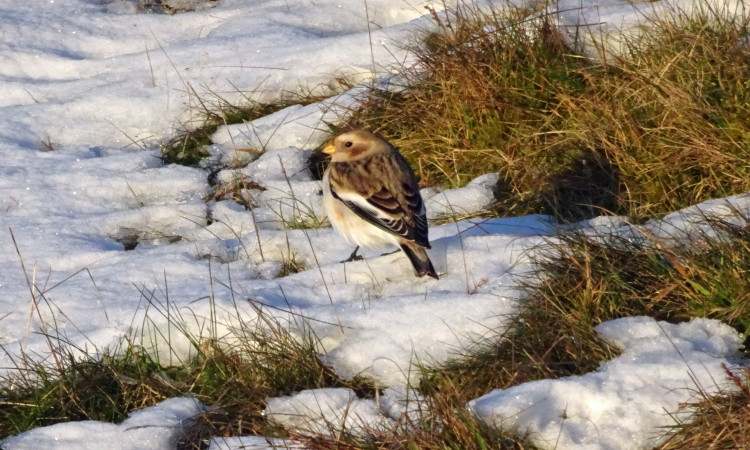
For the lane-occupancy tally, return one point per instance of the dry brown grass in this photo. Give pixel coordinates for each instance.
(583, 280)
(720, 422)
(660, 130)
(263, 360)
(442, 422)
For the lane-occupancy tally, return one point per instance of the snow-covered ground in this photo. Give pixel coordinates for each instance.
(90, 87)
(159, 426)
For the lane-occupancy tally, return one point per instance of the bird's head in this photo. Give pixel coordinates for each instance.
(354, 145)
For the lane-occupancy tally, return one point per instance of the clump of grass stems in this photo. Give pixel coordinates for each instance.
(584, 279)
(657, 130)
(721, 421)
(447, 423)
(233, 376)
(439, 420)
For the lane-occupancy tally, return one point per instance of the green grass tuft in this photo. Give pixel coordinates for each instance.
(104, 389)
(582, 280)
(233, 376)
(662, 129)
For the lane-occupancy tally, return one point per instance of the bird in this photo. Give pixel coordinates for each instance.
(371, 197)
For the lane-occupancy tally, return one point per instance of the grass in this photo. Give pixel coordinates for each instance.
(186, 147)
(718, 422)
(642, 135)
(583, 280)
(234, 375)
(166, 6)
(103, 389)
(289, 262)
(301, 217)
(238, 190)
(605, 277)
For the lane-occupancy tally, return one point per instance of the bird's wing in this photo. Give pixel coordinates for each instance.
(391, 203)
(381, 218)
(413, 202)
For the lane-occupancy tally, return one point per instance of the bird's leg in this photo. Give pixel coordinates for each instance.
(354, 256)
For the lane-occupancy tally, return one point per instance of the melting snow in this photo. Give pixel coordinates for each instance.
(156, 427)
(630, 400)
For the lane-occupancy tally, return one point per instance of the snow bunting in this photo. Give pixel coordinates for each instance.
(371, 197)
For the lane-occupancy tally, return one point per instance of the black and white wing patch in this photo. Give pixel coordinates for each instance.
(373, 213)
(419, 215)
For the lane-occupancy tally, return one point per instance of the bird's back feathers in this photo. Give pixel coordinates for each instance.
(370, 189)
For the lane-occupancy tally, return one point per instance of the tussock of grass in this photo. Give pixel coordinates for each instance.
(718, 422)
(97, 389)
(583, 280)
(234, 379)
(290, 264)
(658, 131)
(614, 276)
(443, 422)
(449, 424)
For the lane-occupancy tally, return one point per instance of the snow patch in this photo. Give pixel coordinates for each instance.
(159, 426)
(602, 29)
(624, 403)
(327, 412)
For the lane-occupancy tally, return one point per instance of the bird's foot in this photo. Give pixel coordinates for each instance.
(354, 256)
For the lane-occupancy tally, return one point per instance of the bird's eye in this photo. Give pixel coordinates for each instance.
(348, 144)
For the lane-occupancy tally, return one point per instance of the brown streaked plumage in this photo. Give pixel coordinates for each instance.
(372, 197)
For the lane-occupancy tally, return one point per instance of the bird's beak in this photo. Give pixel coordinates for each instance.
(330, 150)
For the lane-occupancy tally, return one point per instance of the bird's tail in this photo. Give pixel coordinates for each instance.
(419, 259)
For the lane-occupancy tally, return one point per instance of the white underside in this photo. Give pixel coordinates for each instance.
(355, 229)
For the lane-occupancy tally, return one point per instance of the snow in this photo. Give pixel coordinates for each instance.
(629, 399)
(447, 322)
(304, 126)
(602, 29)
(475, 197)
(332, 411)
(691, 224)
(326, 411)
(253, 443)
(89, 89)
(105, 79)
(159, 426)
